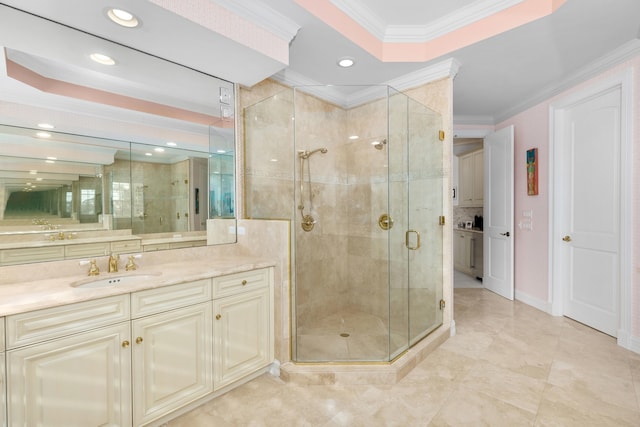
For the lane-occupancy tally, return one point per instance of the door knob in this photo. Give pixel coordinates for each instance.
(566, 239)
(507, 234)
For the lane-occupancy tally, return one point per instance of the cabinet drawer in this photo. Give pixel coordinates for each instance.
(40, 325)
(155, 247)
(125, 246)
(20, 256)
(153, 301)
(238, 282)
(86, 250)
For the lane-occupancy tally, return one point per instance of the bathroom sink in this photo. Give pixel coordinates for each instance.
(111, 280)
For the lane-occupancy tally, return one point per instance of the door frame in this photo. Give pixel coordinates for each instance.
(557, 109)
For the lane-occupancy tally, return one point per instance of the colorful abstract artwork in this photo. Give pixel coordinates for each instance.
(532, 172)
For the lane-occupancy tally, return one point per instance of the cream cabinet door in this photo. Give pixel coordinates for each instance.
(81, 380)
(471, 179)
(172, 360)
(465, 184)
(460, 251)
(243, 332)
(478, 178)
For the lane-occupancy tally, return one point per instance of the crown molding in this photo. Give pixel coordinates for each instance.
(447, 68)
(365, 17)
(479, 120)
(622, 54)
(262, 15)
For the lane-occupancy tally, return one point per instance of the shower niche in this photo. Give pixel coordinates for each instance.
(363, 187)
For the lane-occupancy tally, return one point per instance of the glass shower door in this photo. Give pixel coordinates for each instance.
(425, 206)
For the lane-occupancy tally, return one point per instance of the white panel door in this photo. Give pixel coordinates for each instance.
(172, 361)
(588, 211)
(498, 213)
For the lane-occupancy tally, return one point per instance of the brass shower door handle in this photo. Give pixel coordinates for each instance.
(406, 240)
(385, 221)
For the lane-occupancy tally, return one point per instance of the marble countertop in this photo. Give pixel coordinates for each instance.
(35, 295)
(470, 230)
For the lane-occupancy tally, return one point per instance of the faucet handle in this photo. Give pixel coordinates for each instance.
(93, 268)
(131, 265)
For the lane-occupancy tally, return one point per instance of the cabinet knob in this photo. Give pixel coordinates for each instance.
(244, 282)
(218, 316)
(566, 239)
(125, 344)
(139, 340)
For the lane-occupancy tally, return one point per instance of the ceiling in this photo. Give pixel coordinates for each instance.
(498, 75)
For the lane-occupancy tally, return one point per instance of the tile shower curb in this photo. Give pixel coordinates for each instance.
(370, 373)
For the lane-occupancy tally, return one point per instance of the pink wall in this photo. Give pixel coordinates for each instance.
(531, 247)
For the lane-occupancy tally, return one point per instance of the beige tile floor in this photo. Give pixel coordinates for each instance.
(508, 365)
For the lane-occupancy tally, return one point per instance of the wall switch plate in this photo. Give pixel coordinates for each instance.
(225, 95)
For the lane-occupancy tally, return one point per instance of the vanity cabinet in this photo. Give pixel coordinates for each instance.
(75, 381)
(24, 255)
(135, 358)
(70, 365)
(471, 179)
(172, 350)
(243, 326)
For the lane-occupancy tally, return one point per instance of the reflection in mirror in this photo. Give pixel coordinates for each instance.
(107, 120)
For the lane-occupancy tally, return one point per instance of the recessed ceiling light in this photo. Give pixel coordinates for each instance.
(354, 137)
(43, 134)
(101, 58)
(171, 144)
(346, 62)
(159, 150)
(220, 151)
(45, 126)
(123, 18)
(49, 161)
(148, 154)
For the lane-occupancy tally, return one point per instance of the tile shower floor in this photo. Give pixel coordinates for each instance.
(508, 365)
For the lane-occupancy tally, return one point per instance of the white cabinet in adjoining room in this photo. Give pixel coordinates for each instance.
(467, 252)
(471, 179)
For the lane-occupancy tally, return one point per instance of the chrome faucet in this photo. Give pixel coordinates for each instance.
(113, 263)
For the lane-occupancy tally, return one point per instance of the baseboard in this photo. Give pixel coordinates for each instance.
(626, 340)
(533, 302)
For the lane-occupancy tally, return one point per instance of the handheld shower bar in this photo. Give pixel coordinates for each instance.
(306, 153)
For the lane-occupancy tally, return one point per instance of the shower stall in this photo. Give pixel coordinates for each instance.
(362, 184)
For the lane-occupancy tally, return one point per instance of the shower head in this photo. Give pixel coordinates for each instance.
(378, 145)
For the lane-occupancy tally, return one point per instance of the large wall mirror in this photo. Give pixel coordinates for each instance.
(141, 149)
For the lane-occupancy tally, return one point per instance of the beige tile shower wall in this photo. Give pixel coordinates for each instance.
(265, 129)
(321, 291)
(269, 157)
(367, 199)
(179, 209)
